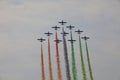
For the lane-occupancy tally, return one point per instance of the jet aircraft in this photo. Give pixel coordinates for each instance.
(64, 33)
(72, 40)
(41, 39)
(85, 38)
(48, 33)
(70, 27)
(58, 41)
(62, 22)
(79, 31)
(56, 28)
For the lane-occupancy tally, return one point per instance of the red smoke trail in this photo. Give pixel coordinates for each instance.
(58, 59)
(49, 60)
(42, 63)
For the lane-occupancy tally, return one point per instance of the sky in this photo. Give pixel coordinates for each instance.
(22, 22)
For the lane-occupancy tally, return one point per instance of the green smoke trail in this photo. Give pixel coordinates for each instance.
(82, 61)
(74, 70)
(89, 65)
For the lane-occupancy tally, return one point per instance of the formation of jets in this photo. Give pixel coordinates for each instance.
(64, 33)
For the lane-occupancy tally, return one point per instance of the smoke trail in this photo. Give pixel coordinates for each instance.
(49, 60)
(73, 60)
(42, 63)
(66, 57)
(82, 61)
(89, 65)
(58, 60)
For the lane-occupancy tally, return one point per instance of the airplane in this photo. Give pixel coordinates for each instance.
(62, 22)
(70, 27)
(48, 33)
(72, 40)
(78, 31)
(58, 41)
(56, 28)
(64, 33)
(41, 39)
(85, 38)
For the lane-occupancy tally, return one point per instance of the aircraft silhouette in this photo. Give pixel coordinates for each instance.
(70, 27)
(62, 22)
(48, 33)
(56, 28)
(41, 39)
(85, 38)
(64, 33)
(72, 40)
(79, 31)
(58, 41)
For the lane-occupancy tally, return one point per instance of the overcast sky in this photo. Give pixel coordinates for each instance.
(23, 21)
